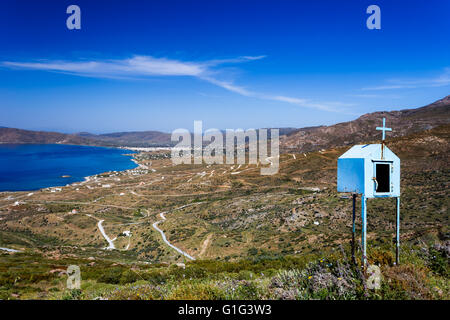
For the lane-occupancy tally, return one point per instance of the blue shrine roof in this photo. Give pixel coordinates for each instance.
(371, 151)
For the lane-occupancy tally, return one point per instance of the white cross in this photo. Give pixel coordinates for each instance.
(383, 128)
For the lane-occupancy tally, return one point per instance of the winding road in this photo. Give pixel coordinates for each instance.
(10, 250)
(111, 245)
(155, 226)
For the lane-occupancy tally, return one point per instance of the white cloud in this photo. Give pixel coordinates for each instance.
(233, 60)
(148, 66)
(382, 96)
(291, 100)
(439, 81)
(136, 66)
(230, 86)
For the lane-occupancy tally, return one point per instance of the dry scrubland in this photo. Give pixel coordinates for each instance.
(283, 236)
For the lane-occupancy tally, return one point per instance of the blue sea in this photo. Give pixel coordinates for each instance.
(26, 167)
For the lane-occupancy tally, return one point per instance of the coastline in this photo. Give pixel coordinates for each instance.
(94, 177)
(85, 179)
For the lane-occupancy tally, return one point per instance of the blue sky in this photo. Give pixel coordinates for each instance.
(160, 65)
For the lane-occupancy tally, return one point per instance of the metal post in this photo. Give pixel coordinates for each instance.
(353, 229)
(397, 242)
(364, 229)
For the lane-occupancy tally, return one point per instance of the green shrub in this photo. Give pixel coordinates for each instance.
(74, 294)
(438, 262)
(112, 276)
(247, 290)
(128, 276)
(246, 275)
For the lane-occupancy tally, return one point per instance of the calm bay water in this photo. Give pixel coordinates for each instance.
(33, 166)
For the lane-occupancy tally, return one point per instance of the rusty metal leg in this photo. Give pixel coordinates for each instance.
(353, 229)
(364, 229)
(397, 236)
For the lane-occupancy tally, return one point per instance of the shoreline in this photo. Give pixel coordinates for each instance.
(85, 178)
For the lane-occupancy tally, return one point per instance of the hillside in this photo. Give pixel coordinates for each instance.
(254, 233)
(11, 135)
(307, 139)
(131, 139)
(403, 122)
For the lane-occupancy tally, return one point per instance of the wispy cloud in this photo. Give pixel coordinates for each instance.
(305, 103)
(439, 81)
(148, 66)
(229, 86)
(375, 96)
(233, 60)
(133, 67)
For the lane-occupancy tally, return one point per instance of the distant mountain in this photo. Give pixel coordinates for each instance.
(127, 139)
(11, 135)
(307, 139)
(131, 139)
(402, 122)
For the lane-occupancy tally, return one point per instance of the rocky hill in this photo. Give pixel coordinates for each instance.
(12, 135)
(403, 122)
(308, 139)
(132, 139)
(247, 231)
